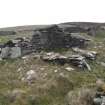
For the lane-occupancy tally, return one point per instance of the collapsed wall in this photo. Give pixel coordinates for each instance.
(55, 37)
(48, 38)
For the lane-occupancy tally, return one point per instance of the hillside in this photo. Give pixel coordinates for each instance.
(49, 75)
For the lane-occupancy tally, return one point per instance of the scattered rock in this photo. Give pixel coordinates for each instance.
(30, 76)
(97, 101)
(102, 64)
(24, 57)
(19, 69)
(36, 56)
(103, 100)
(42, 69)
(69, 69)
(55, 71)
(76, 60)
(79, 61)
(44, 75)
(88, 54)
(23, 79)
(62, 74)
(50, 56)
(58, 58)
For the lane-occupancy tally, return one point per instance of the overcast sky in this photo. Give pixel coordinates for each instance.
(29, 12)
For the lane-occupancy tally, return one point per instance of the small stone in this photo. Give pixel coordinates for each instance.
(55, 71)
(1, 59)
(88, 54)
(30, 72)
(19, 69)
(23, 79)
(30, 76)
(102, 64)
(69, 69)
(62, 74)
(42, 69)
(24, 57)
(44, 75)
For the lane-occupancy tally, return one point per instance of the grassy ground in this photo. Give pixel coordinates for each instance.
(50, 87)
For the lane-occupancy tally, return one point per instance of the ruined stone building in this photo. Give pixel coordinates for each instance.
(52, 37)
(55, 37)
(48, 38)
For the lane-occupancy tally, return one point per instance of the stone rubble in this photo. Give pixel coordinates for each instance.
(76, 60)
(30, 76)
(79, 61)
(102, 64)
(88, 54)
(49, 38)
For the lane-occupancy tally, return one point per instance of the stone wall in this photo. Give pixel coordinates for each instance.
(54, 37)
(48, 38)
